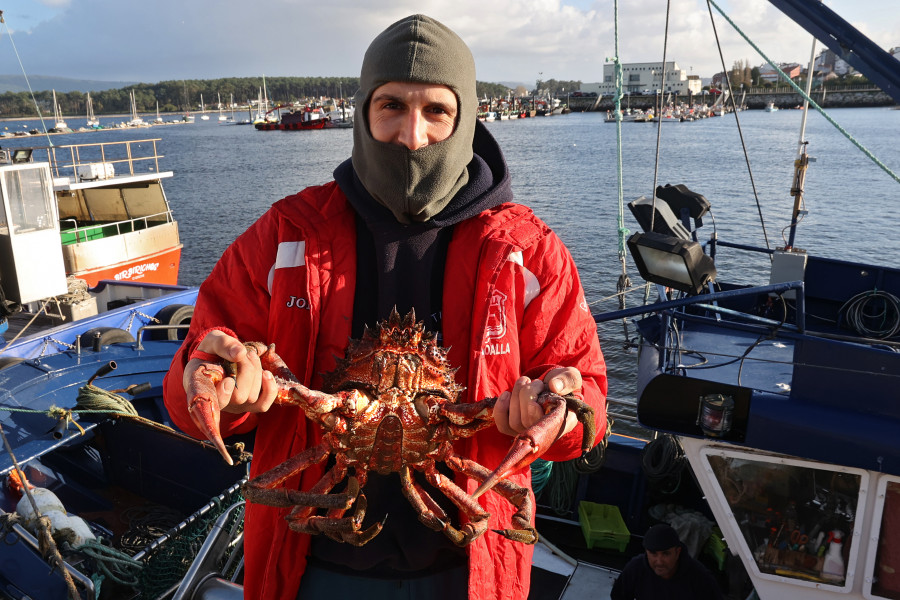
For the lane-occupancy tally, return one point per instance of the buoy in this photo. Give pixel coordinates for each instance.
(72, 528)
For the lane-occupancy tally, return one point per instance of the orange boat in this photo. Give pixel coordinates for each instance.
(85, 211)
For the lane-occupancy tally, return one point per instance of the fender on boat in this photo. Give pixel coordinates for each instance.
(104, 336)
(173, 314)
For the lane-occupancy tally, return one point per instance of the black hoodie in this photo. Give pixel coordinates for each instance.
(403, 266)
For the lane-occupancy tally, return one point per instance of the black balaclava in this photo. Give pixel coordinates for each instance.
(416, 184)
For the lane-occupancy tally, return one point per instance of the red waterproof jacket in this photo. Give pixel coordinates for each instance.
(513, 304)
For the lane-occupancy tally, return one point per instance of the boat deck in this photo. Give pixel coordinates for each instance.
(737, 357)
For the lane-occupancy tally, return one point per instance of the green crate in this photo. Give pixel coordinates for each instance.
(716, 548)
(603, 526)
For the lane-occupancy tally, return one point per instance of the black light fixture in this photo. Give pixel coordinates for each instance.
(671, 261)
(660, 214)
(714, 414)
(21, 155)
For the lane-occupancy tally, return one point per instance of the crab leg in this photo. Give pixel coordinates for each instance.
(518, 496)
(431, 514)
(529, 445)
(203, 404)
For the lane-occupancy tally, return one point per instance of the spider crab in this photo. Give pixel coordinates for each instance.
(391, 406)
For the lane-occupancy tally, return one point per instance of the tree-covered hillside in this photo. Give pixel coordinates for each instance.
(182, 95)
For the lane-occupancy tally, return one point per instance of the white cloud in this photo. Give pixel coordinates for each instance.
(513, 40)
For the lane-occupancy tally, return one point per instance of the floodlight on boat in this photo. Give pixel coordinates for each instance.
(21, 155)
(670, 261)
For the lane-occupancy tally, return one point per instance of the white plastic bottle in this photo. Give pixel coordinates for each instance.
(833, 566)
(72, 527)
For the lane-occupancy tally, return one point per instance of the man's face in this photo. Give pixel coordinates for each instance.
(665, 562)
(412, 114)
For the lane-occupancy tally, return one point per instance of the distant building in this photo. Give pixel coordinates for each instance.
(829, 62)
(768, 73)
(640, 78)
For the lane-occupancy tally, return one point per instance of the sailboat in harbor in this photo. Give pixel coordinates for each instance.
(136, 120)
(188, 117)
(222, 116)
(203, 115)
(262, 108)
(59, 125)
(92, 121)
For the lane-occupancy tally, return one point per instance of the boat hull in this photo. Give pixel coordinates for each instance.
(158, 268)
(296, 126)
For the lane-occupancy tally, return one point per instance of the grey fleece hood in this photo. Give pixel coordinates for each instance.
(416, 184)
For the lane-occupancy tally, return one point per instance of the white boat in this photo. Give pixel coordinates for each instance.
(222, 116)
(158, 118)
(136, 120)
(770, 107)
(59, 125)
(263, 115)
(203, 115)
(92, 121)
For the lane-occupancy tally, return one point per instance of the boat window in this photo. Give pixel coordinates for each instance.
(884, 572)
(29, 200)
(798, 519)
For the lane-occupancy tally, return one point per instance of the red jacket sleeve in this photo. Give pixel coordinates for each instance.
(235, 295)
(559, 330)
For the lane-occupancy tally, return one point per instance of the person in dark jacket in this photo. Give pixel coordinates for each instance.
(665, 571)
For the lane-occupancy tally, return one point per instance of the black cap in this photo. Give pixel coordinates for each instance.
(660, 537)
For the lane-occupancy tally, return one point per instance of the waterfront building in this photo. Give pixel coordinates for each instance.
(768, 73)
(646, 78)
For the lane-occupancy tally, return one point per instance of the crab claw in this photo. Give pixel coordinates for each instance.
(529, 445)
(203, 404)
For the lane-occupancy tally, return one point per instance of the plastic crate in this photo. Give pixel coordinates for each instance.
(603, 526)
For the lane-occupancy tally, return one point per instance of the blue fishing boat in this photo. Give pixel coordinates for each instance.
(781, 395)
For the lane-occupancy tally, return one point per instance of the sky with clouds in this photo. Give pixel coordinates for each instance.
(512, 40)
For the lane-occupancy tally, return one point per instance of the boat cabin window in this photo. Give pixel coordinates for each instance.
(797, 518)
(28, 200)
(884, 570)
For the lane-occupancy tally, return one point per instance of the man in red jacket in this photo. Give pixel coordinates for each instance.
(420, 217)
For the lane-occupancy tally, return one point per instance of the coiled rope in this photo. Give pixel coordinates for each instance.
(880, 309)
(540, 475)
(111, 564)
(92, 399)
(663, 461)
(561, 488)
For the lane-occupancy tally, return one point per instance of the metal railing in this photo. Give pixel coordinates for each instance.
(81, 233)
(134, 156)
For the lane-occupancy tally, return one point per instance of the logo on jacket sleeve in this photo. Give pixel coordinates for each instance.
(496, 326)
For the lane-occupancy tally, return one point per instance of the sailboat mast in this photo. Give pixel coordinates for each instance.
(802, 161)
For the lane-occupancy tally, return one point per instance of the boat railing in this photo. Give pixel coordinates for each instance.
(86, 233)
(707, 302)
(129, 156)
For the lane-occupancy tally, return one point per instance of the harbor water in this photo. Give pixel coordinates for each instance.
(565, 168)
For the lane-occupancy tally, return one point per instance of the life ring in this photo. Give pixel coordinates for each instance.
(173, 314)
(104, 336)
